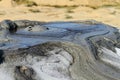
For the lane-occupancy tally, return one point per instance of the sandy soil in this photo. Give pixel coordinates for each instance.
(109, 15)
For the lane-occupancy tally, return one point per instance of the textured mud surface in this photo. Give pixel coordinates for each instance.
(81, 50)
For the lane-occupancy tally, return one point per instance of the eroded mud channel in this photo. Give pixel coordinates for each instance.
(81, 50)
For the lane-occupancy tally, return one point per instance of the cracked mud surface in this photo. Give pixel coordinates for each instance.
(81, 50)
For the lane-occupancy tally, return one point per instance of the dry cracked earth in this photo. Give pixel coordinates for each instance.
(76, 50)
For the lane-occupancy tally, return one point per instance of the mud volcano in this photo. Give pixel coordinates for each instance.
(80, 50)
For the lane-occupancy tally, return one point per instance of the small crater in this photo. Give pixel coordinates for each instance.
(24, 73)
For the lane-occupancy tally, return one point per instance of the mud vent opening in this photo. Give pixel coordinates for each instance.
(1, 56)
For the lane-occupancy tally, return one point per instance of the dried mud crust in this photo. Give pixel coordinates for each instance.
(81, 50)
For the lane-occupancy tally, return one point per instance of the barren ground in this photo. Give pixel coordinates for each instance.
(107, 14)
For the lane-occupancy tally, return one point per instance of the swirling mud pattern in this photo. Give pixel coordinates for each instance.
(78, 50)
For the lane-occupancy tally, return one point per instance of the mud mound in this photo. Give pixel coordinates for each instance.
(81, 50)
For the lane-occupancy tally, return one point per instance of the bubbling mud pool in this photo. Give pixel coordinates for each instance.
(78, 50)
